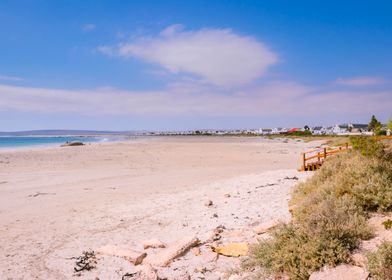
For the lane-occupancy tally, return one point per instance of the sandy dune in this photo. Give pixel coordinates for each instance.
(56, 202)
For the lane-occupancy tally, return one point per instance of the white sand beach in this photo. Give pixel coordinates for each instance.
(57, 202)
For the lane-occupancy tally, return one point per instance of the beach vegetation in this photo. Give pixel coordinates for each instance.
(301, 133)
(380, 262)
(387, 224)
(330, 214)
(389, 125)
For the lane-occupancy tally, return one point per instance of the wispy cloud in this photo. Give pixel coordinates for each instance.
(88, 27)
(361, 81)
(218, 56)
(10, 78)
(107, 50)
(271, 100)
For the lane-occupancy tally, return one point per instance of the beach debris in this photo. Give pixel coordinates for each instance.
(208, 203)
(340, 272)
(146, 272)
(215, 215)
(134, 257)
(74, 143)
(153, 243)
(175, 250)
(265, 227)
(219, 229)
(227, 195)
(40, 193)
(266, 185)
(86, 261)
(291, 178)
(232, 249)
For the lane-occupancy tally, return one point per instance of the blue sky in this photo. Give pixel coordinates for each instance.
(123, 65)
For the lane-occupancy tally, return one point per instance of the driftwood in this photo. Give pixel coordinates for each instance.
(175, 250)
(134, 257)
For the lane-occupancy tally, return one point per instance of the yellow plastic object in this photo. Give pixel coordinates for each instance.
(233, 249)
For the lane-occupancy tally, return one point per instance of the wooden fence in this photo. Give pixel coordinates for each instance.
(313, 160)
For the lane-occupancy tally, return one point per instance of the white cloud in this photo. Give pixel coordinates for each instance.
(88, 27)
(272, 100)
(219, 56)
(361, 81)
(10, 78)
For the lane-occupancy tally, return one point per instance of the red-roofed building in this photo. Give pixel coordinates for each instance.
(295, 129)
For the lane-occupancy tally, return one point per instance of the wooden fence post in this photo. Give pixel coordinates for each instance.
(325, 153)
(303, 161)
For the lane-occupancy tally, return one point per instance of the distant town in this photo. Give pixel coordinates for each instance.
(343, 129)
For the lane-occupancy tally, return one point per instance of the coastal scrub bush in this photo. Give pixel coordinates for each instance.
(380, 262)
(326, 237)
(329, 213)
(367, 146)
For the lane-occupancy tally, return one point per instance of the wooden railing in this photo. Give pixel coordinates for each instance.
(312, 160)
(384, 137)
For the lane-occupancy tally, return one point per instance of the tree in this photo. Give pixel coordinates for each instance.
(374, 124)
(306, 128)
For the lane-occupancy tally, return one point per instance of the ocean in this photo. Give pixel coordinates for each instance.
(34, 141)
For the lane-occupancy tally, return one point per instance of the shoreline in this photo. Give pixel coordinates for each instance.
(154, 137)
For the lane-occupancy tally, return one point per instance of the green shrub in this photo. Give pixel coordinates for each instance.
(368, 146)
(324, 237)
(300, 133)
(329, 217)
(380, 262)
(387, 224)
(368, 181)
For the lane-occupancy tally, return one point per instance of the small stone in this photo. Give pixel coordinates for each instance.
(227, 195)
(208, 203)
(196, 251)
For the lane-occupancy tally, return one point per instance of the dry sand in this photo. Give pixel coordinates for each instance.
(57, 202)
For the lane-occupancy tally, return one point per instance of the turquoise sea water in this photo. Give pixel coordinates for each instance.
(28, 141)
